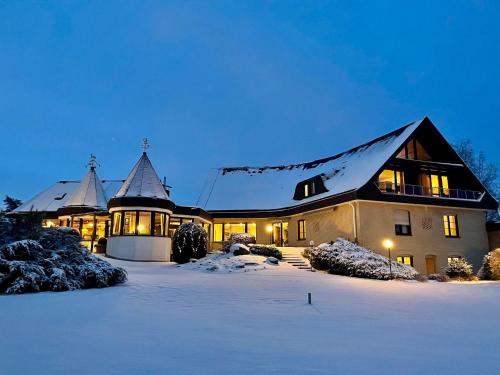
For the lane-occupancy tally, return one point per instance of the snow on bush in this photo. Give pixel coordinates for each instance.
(238, 249)
(346, 258)
(190, 241)
(458, 268)
(242, 238)
(226, 263)
(56, 262)
(266, 251)
(490, 270)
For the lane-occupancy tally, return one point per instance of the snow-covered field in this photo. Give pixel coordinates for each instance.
(185, 320)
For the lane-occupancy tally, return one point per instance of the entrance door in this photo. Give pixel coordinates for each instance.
(280, 234)
(430, 264)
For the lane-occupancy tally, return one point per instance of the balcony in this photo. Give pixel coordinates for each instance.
(431, 192)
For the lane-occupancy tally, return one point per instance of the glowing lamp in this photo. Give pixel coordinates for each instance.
(388, 244)
(269, 228)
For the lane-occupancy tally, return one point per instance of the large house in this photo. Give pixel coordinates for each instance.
(408, 186)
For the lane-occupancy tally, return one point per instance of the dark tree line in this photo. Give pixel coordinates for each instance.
(486, 171)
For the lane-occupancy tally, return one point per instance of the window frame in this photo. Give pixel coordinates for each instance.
(301, 230)
(402, 257)
(398, 227)
(223, 230)
(446, 219)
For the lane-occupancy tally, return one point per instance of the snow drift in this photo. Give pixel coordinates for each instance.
(56, 261)
(346, 258)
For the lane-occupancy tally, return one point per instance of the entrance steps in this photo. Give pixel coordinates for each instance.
(293, 256)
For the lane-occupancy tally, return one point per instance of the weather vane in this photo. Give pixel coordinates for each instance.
(145, 144)
(92, 162)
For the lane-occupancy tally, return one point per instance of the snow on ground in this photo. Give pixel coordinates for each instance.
(177, 320)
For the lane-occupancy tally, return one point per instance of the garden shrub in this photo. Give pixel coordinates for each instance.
(490, 270)
(346, 258)
(242, 238)
(458, 268)
(190, 241)
(266, 251)
(438, 277)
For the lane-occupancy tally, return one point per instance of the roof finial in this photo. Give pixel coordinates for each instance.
(92, 162)
(145, 144)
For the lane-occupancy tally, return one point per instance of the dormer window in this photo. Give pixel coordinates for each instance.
(309, 188)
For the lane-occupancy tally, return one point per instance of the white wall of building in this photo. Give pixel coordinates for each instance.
(140, 248)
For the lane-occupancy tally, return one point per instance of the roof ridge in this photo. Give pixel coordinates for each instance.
(314, 163)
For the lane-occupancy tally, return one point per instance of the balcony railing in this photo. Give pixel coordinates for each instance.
(424, 191)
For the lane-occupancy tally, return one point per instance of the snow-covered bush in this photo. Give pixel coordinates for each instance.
(190, 241)
(266, 251)
(346, 258)
(57, 262)
(238, 249)
(438, 277)
(458, 268)
(490, 270)
(243, 238)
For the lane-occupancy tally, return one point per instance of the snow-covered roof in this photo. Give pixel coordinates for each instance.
(273, 187)
(89, 193)
(57, 195)
(143, 182)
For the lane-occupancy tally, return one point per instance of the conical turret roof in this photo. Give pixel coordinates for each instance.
(89, 194)
(143, 182)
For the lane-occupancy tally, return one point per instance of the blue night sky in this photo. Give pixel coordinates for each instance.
(234, 83)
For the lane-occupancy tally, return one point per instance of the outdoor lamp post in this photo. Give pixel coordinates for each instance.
(388, 244)
(269, 229)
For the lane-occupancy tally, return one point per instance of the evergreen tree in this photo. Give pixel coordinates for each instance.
(11, 203)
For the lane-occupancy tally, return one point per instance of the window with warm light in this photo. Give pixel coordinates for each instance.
(159, 224)
(413, 150)
(450, 224)
(218, 232)
(452, 258)
(252, 229)
(391, 181)
(301, 235)
(406, 259)
(144, 224)
(129, 222)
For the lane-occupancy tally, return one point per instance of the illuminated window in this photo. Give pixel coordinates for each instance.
(175, 222)
(306, 190)
(438, 185)
(129, 222)
(402, 222)
(408, 260)
(450, 224)
(413, 150)
(444, 185)
(252, 229)
(206, 227)
(159, 224)
(391, 181)
(144, 225)
(452, 258)
(301, 230)
(232, 229)
(218, 232)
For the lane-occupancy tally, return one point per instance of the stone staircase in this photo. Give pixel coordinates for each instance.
(293, 256)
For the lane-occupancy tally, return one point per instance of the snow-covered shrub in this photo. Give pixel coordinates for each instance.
(56, 262)
(346, 258)
(238, 249)
(190, 241)
(458, 268)
(490, 270)
(438, 277)
(266, 251)
(243, 238)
